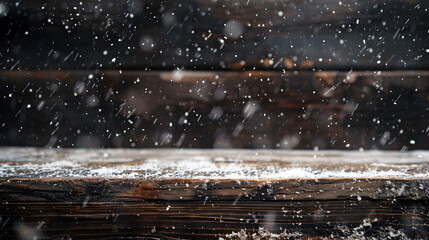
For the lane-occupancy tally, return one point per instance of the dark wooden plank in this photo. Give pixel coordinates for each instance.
(251, 109)
(212, 194)
(34, 175)
(222, 34)
(15, 190)
(217, 219)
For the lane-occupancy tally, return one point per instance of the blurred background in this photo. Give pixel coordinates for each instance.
(215, 74)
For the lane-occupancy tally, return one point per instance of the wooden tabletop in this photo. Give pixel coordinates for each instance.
(213, 164)
(213, 194)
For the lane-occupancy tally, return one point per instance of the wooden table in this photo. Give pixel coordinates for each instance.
(212, 194)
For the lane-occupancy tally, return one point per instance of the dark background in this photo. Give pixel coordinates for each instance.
(202, 74)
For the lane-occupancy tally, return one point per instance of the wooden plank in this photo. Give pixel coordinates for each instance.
(212, 194)
(250, 109)
(216, 220)
(197, 164)
(222, 34)
(183, 175)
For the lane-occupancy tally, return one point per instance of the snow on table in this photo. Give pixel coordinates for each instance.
(213, 194)
(212, 164)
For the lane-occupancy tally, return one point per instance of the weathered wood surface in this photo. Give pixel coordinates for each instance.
(211, 164)
(349, 219)
(249, 109)
(213, 194)
(222, 34)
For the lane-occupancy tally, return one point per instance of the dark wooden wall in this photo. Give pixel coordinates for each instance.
(117, 73)
(221, 34)
(344, 110)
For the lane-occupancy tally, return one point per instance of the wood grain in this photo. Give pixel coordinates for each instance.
(33, 204)
(218, 219)
(214, 35)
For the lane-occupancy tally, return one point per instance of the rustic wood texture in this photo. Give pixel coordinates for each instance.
(217, 219)
(243, 109)
(87, 95)
(222, 34)
(170, 202)
(211, 164)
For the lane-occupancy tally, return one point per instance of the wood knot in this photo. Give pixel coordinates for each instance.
(147, 191)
